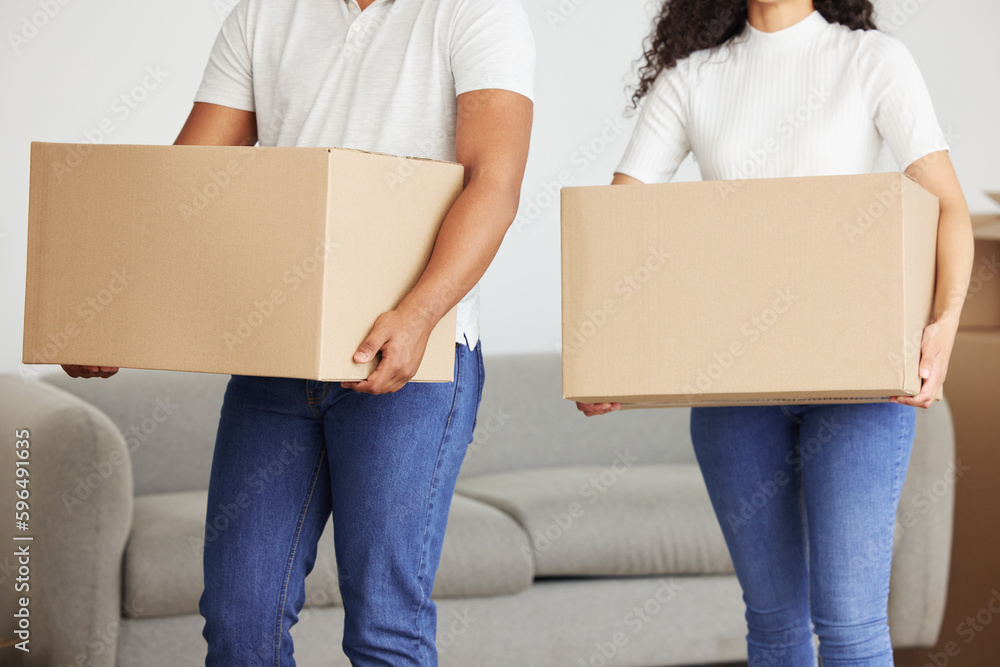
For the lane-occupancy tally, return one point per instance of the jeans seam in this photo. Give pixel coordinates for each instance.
(311, 399)
(291, 556)
(430, 503)
(896, 485)
(482, 381)
(790, 417)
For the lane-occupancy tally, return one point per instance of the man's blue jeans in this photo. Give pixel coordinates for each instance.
(807, 499)
(289, 452)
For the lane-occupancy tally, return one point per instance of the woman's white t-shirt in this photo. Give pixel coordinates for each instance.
(813, 99)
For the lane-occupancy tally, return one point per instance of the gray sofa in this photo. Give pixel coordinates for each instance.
(571, 541)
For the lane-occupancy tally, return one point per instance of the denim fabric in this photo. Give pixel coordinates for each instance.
(807, 499)
(288, 453)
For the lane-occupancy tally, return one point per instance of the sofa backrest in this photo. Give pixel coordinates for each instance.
(525, 423)
(169, 421)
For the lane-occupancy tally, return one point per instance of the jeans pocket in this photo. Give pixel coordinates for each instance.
(482, 372)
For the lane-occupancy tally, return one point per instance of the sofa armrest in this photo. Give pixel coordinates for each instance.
(80, 519)
(922, 554)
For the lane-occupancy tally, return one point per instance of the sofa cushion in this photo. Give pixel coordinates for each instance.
(625, 519)
(482, 556)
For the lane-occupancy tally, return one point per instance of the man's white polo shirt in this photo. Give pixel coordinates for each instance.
(325, 73)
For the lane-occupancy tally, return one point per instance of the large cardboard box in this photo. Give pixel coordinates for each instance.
(982, 305)
(746, 292)
(973, 391)
(973, 394)
(254, 261)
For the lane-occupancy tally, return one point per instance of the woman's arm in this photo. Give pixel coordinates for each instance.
(955, 255)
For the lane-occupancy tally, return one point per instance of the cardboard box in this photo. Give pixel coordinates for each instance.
(988, 225)
(982, 304)
(253, 261)
(973, 387)
(762, 291)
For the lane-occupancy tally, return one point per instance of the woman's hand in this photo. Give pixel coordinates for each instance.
(955, 255)
(935, 351)
(594, 409)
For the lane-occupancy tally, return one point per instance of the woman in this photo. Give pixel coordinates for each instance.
(722, 79)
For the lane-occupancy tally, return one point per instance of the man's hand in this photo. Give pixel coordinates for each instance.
(401, 337)
(935, 351)
(89, 371)
(594, 409)
(491, 142)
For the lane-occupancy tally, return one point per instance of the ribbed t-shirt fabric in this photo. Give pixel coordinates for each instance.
(813, 99)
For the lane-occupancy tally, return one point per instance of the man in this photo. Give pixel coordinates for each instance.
(444, 79)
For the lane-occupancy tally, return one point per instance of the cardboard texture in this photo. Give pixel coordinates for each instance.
(762, 291)
(973, 388)
(236, 260)
(986, 227)
(981, 310)
(986, 224)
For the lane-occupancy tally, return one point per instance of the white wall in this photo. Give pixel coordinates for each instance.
(70, 75)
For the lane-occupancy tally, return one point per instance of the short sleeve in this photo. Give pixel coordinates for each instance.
(898, 99)
(228, 78)
(660, 140)
(492, 47)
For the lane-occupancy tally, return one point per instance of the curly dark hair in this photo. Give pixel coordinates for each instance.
(685, 26)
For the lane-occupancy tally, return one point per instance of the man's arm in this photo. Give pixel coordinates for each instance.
(215, 125)
(207, 125)
(491, 141)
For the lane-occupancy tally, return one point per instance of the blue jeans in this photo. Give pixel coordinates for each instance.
(807, 498)
(290, 452)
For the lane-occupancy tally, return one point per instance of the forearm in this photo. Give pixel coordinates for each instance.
(955, 250)
(955, 256)
(467, 242)
(491, 141)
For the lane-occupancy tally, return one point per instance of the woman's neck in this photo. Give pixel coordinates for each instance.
(774, 16)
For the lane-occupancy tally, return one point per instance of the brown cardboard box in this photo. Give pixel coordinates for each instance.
(254, 261)
(982, 305)
(746, 292)
(986, 224)
(968, 637)
(973, 395)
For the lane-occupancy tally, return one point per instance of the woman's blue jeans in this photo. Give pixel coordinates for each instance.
(807, 498)
(290, 452)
